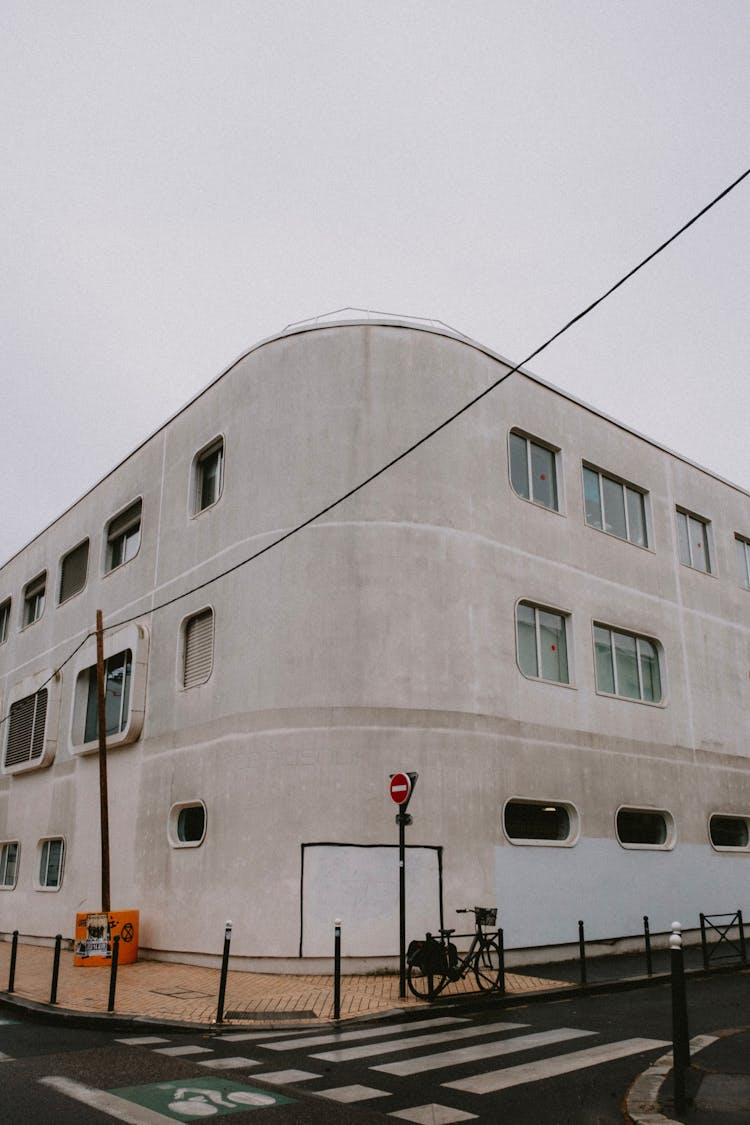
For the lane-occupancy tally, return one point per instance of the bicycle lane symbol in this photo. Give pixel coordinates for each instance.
(206, 1097)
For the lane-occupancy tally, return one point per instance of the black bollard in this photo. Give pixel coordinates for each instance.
(680, 1038)
(55, 969)
(337, 969)
(501, 947)
(224, 970)
(647, 940)
(582, 952)
(743, 948)
(113, 972)
(13, 952)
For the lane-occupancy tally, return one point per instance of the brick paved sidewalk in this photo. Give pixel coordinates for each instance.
(188, 993)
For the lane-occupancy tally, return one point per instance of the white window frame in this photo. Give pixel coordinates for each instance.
(574, 821)
(46, 840)
(34, 599)
(742, 547)
(51, 681)
(5, 609)
(68, 554)
(626, 487)
(553, 611)
(536, 442)
(135, 639)
(637, 637)
(691, 518)
(123, 527)
(174, 819)
(729, 849)
(669, 826)
(217, 445)
(182, 650)
(4, 846)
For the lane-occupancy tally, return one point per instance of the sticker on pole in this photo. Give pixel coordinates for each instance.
(400, 788)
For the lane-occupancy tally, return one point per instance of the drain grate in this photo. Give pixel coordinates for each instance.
(300, 1015)
(181, 994)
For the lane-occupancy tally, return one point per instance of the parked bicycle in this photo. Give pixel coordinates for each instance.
(435, 962)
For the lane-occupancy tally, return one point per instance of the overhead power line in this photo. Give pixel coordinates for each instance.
(420, 441)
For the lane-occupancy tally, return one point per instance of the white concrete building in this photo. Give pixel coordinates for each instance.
(544, 614)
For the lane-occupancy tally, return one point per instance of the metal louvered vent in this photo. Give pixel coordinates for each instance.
(26, 729)
(199, 648)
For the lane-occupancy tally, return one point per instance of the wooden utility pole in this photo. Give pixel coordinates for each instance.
(102, 728)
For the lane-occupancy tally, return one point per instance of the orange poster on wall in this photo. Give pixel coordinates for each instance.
(95, 934)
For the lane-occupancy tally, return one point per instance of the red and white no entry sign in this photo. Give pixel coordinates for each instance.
(400, 788)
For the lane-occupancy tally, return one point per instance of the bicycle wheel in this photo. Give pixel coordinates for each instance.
(424, 974)
(487, 966)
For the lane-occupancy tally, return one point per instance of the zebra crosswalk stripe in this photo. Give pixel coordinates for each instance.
(348, 1054)
(366, 1033)
(481, 1051)
(494, 1080)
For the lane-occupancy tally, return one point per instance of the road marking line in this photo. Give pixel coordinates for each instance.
(241, 1036)
(127, 1112)
(481, 1051)
(5, 1058)
(433, 1114)
(174, 1052)
(496, 1080)
(353, 1093)
(228, 1064)
(369, 1033)
(142, 1041)
(346, 1054)
(285, 1077)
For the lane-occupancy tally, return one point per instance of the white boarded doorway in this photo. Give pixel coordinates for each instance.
(359, 884)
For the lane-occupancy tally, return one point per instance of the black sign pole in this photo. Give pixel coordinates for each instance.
(402, 819)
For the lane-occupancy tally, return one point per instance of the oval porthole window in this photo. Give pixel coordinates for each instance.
(644, 828)
(187, 824)
(729, 832)
(539, 822)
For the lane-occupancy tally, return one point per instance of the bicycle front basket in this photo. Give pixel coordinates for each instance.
(486, 915)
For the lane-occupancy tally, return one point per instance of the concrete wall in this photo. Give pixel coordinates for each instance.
(381, 638)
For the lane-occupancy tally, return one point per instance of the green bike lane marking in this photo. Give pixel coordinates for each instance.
(200, 1097)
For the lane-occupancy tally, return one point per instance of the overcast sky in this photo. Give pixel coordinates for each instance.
(184, 177)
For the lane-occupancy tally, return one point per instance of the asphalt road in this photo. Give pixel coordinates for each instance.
(568, 1062)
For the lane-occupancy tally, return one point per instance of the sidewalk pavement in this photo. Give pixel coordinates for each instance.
(185, 997)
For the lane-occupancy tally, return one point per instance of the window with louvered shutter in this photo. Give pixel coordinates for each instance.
(199, 648)
(26, 729)
(73, 571)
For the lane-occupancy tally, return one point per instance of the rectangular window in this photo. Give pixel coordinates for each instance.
(208, 476)
(542, 643)
(8, 864)
(73, 571)
(124, 537)
(198, 652)
(692, 533)
(33, 599)
(626, 665)
(533, 470)
(51, 863)
(26, 722)
(742, 549)
(117, 676)
(614, 507)
(4, 620)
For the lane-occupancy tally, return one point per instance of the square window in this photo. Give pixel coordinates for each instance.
(692, 535)
(208, 476)
(626, 665)
(51, 854)
(541, 638)
(73, 570)
(742, 550)
(615, 507)
(533, 470)
(8, 864)
(198, 648)
(123, 537)
(33, 599)
(26, 728)
(4, 620)
(117, 676)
